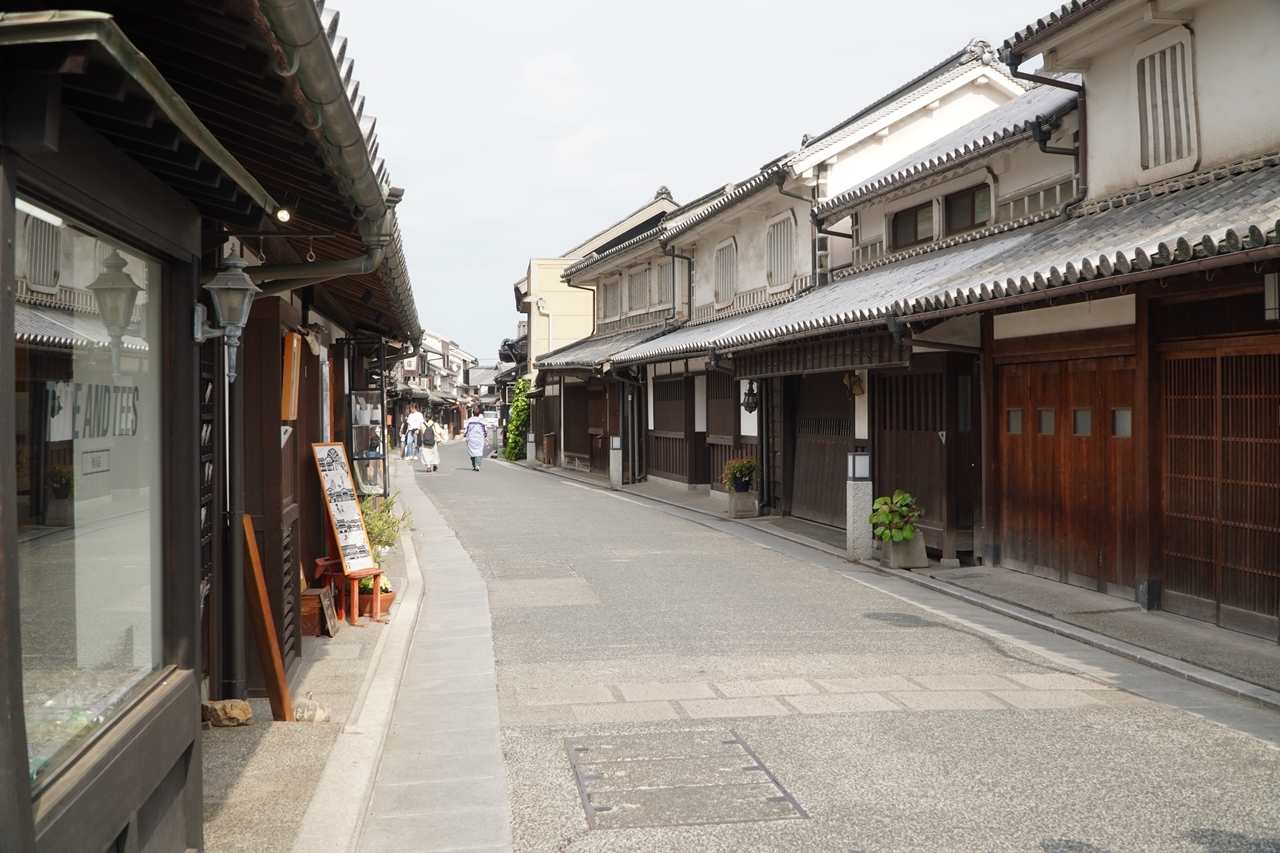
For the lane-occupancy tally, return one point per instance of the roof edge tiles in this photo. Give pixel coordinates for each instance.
(980, 138)
(599, 349)
(622, 248)
(1045, 277)
(761, 180)
(1067, 15)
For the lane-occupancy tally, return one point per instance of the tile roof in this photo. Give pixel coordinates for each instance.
(767, 176)
(1005, 125)
(1068, 14)
(595, 351)
(1147, 232)
(951, 68)
(51, 327)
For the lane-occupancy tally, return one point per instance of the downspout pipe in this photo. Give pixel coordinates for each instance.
(298, 28)
(1013, 61)
(779, 181)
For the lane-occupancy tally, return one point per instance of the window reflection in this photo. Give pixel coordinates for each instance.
(88, 462)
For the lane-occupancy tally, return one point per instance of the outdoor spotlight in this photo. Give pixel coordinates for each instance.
(116, 293)
(283, 215)
(233, 293)
(750, 399)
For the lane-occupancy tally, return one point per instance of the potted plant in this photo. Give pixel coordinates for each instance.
(62, 479)
(894, 519)
(386, 595)
(738, 473)
(383, 524)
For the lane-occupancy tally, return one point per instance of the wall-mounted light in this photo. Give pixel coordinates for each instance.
(859, 466)
(288, 208)
(750, 399)
(233, 293)
(116, 293)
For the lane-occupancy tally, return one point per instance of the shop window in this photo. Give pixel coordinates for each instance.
(1082, 422)
(913, 226)
(1122, 423)
(968, 209)
(1013, 421)
(1045, 421)
(88, 497)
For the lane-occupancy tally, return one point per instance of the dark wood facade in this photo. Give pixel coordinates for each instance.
(677, 449)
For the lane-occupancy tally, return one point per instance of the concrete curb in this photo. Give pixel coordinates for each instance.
(1239, 688)
(342, 796)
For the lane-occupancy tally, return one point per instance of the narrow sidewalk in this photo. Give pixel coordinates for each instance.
(1234, 663)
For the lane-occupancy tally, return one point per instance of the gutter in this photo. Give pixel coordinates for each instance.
(297, 26)
(1013, 60)
(54, 27)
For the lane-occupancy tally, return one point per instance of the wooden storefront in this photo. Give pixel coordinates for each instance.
(725, 440)
(677, 449)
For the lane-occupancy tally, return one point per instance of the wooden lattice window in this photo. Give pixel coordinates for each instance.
(726, 271)
(781, 240)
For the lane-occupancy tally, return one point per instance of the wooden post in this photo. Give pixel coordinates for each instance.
(264, 629)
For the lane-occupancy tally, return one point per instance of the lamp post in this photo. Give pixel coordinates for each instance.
(858, 540)
(232, 291)
(116, 293)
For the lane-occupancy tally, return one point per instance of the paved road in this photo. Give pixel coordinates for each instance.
(665, 684)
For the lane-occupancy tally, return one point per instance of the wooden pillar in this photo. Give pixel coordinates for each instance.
(1146, 420)
(17, 832)
(988, 534)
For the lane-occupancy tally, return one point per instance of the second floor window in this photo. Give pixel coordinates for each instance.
(726, 272)
(610, 299)
(638, 291)
(913, 226)
(968, 209)
(781, 262)
(666, 283)
(1166, 102)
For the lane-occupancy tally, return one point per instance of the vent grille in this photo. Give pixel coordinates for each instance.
(1165, 123)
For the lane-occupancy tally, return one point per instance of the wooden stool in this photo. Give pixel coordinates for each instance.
(346, 588)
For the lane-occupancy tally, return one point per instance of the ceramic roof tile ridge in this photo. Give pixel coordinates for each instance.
(1067, 15)
(598, 348)
(959, 63)
(597, 257)
(1172, 185)
(1007, 125)
(662, 193)
(740, 192)
(780, 299)
(939, 245)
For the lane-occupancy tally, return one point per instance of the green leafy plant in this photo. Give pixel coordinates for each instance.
(743, 468)
(62, 479)
(518, 424)
(383, 523)
(895, 517)
(366, 586)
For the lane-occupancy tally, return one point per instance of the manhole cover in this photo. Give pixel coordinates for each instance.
(675, 779)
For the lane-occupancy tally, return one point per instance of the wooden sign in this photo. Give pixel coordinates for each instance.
(292, 376)
(331, 621)
(344, 510)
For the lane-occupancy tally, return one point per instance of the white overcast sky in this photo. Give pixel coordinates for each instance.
(518, 129)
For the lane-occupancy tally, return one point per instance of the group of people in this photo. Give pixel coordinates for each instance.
(421, 437)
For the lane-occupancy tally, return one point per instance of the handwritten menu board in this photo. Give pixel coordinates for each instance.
(344, 509)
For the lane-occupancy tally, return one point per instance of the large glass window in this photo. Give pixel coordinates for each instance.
(88, 502)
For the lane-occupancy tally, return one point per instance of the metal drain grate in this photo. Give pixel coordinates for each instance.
(675, 779)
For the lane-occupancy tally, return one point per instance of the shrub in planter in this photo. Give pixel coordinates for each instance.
(893, 519)
(62, 479)
(738, 473)
(383, 524)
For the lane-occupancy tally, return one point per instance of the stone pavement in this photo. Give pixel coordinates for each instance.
(671, 680)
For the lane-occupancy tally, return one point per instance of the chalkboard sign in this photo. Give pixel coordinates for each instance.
(344, 509)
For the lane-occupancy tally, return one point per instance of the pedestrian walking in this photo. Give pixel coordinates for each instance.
(416, 423)
(477, 434)
(429, 443)
(404, 437)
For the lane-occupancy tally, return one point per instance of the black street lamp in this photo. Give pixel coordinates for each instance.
(233, 293)
(750, 399)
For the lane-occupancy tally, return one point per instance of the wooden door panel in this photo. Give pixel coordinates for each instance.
(824, 435)
(1046, 550)
(1015, 464)
(1116, 435)
(1190, 545)
(1083, 536)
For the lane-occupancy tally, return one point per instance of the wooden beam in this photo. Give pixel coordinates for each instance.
(264, 628)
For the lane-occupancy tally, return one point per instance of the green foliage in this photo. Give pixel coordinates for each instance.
(744, 468)
(366, 586)
(62, 476)
(895, 517)
(383, 523)
(518, 425)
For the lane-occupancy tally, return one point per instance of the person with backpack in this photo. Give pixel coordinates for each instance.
(429, 444)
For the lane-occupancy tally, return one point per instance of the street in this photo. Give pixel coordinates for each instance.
(668, 684)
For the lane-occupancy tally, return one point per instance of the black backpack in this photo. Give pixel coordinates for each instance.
(428, 436)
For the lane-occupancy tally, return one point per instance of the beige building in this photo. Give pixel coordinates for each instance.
(558, 314)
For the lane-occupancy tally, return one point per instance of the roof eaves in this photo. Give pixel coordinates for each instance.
(622, 248)
(1067, 15)
(741, 192)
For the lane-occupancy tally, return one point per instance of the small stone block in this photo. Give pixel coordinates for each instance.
(766, 687)
(949, 700)
(961, 682)
(226, 713)
(842, 703)
(761, 706)
(625, 712)
(665, 690)
(883, 684)
(1054, 681)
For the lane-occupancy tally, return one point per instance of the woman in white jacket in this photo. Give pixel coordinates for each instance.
(429, 442)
